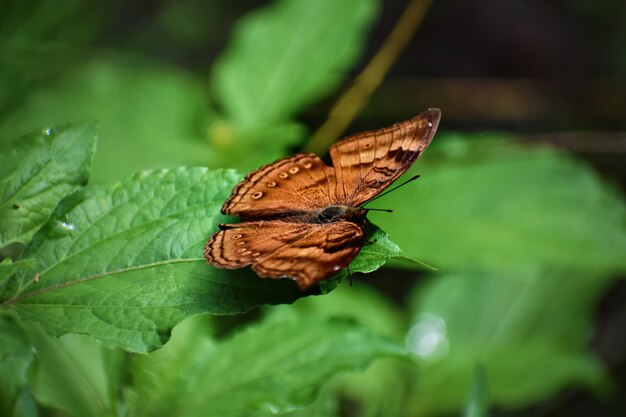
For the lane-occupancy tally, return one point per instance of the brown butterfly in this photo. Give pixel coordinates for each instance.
(304, 220)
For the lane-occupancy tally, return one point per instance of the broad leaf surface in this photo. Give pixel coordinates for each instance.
(530, 328)
(124, 263)
(247, 149)
(39, 42)
(271, 368)
(150, 116)
(40, 170)
(383, 388)
(489, 203)
(76, 375)
(285, 56)
(8, 268)
(15, 358)
(381, 314)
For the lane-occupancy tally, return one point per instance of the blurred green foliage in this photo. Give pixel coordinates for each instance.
(526, 239)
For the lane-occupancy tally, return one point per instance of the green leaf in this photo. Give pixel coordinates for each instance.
(273, 367)
(15, 358)
(478, 402)
(383, 388)
(326, 404)
(8, 267)
(124, 263)
(26, 406)
(287, 55)
(374, 255)
(248, 149)
(156, 377)
(150, 116)
(43, 168)
(40, 41)
(530, 328)
(76, 375)
(488, 203)
(380, 315)
(378, 249)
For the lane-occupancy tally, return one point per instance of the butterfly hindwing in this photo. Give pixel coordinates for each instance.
(305, 252)
(367, 163)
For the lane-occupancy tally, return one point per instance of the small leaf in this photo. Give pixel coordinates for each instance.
(375, 253)
(76, 375)
(478, 402)
(287, 55)
(297, 356)
(15, 358)
(44, 167)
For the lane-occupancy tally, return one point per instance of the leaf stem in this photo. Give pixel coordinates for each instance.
(352, 101)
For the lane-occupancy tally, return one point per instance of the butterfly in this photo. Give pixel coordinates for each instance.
(304, 220)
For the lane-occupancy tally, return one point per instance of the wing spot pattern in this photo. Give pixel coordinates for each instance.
(307, 165)
(283, 175)
(257, 195)
(271, 184)
(294, 170)
(237, 236)
(384, 170)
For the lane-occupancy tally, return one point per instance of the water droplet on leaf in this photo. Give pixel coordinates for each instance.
(68, 226)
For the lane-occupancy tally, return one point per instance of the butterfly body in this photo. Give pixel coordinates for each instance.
(302, 219)
(330, 214)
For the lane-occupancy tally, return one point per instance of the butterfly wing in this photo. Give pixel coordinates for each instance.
(367, 163)
(299, 183)
(305, 252)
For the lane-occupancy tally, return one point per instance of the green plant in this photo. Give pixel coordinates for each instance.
(107, 282)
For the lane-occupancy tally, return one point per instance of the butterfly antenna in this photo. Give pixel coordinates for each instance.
(393, 189)
(373, 209)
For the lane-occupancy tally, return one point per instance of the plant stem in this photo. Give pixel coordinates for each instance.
(352, 101)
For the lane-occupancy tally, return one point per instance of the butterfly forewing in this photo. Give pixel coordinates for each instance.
(368, 162)
(299, 183)
(305, 252)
